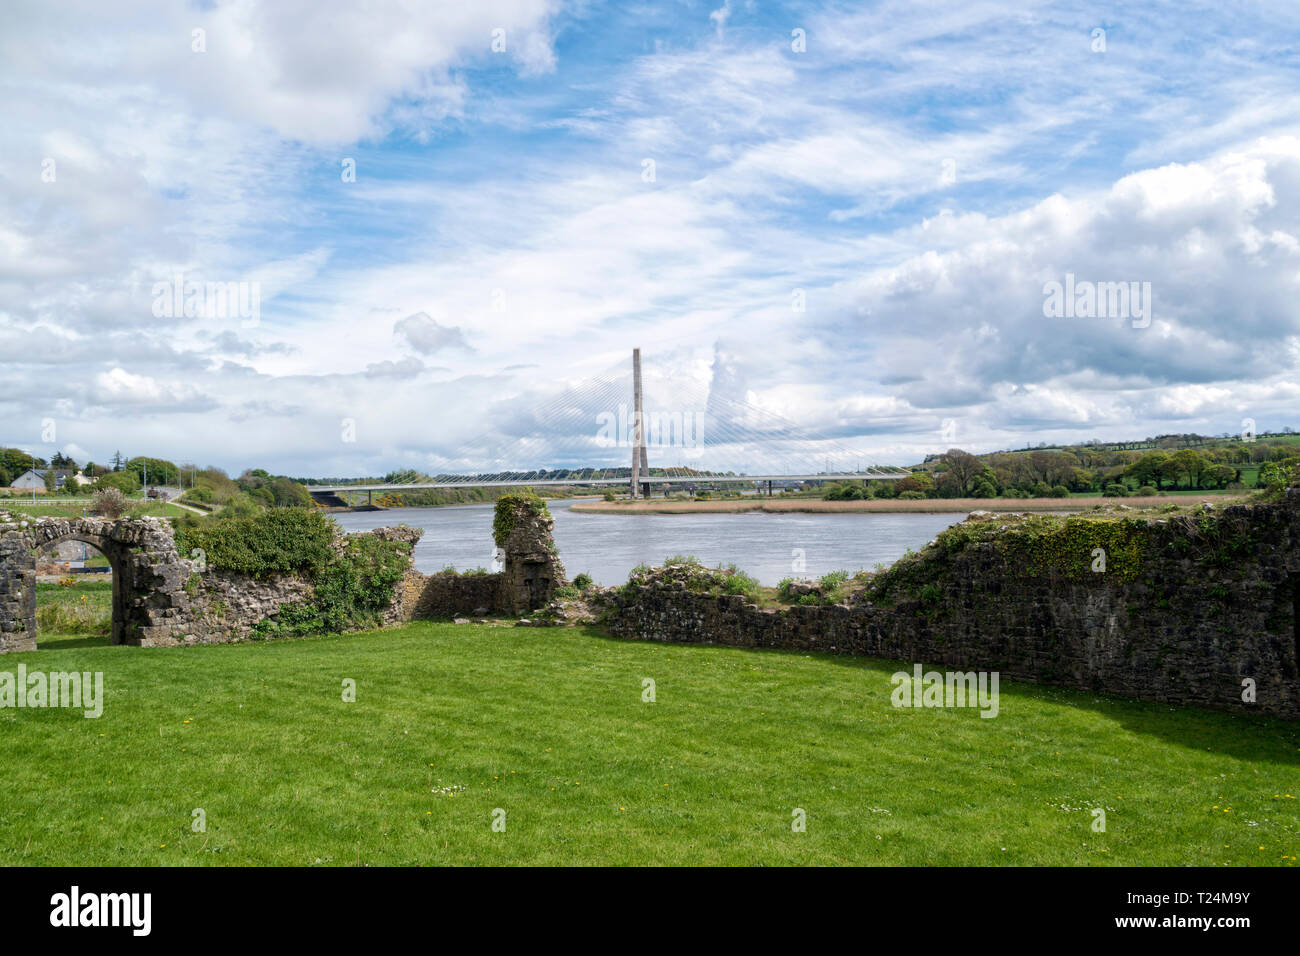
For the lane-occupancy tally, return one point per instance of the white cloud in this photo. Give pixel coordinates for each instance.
(822, 172)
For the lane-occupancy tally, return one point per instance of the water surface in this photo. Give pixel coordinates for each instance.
(608, 546)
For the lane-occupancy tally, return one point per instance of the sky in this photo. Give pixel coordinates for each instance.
(440, 222)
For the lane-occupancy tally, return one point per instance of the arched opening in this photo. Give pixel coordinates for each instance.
(79, 593)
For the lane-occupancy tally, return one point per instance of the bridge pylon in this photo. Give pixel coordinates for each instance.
(640, 464)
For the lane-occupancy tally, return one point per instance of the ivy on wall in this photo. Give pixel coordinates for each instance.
(353, 577)
(510, 507)
(350, 592)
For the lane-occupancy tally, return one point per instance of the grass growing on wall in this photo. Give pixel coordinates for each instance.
(54, 508)
(452, 722)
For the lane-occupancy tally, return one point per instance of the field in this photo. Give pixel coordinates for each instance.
(451, 723)
(75, 508)
(873, 505)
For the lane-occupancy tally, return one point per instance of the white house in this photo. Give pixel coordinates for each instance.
(34, 478)
(31, 478)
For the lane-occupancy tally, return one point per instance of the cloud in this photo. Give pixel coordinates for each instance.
(405, 368)
(720, 16)
(424, 334)
(121, 388)
(916, 176)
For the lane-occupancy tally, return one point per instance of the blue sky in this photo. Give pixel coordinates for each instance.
(919, 171)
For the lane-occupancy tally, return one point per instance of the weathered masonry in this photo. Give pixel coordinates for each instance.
(147, 571)
(1197, 609)
(1200, 608)
(162, 597)
(531, 573)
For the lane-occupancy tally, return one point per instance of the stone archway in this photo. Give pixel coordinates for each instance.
(118, 561)
(148, 574)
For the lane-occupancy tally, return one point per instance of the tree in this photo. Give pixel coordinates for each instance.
(1218, 476)
(1192, 464)
(963, 466)
(51, 481)
(1167, 470)
(15, 461)
(157, 471)
(1146, 470)
(289, 494)
(117, 460)
(916, 481)
(124, 481)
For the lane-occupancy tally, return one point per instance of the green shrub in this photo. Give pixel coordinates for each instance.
(736, 581)
(1115, 490)
(124, 481)
(1147, 491)
(911, 495)
(1060, 491)
(266, 542)
(582, 582)
(351, 591)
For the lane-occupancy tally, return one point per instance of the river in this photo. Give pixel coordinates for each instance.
(608, 546)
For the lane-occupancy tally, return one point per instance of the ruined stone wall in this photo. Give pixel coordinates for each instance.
(448, 594)
(533, 570)
(160, 597)
(1195, 607)
(148, 574)
(163, 598)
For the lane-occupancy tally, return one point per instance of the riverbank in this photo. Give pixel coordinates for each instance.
(878, 505)
(434, 506)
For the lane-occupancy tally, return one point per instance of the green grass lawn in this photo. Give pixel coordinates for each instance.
(54, 508)
(452, 722)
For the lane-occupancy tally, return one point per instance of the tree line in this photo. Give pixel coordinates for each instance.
(1109, 471)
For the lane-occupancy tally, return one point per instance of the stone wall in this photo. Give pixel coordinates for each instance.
(533, 570)
(148, 574)
(448, 594)
(1199, 605)
(163, 599)
(160, 598)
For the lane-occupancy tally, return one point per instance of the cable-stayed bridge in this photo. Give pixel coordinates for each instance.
(610, 426)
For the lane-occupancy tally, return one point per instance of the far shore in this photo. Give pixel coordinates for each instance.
(884, 505)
